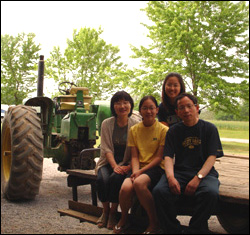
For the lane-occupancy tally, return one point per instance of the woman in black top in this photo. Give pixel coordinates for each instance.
(173, 85)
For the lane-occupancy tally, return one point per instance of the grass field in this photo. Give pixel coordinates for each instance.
(231, 125)
(233, 148)
(232, 129)
(235, 130)
(234, 134)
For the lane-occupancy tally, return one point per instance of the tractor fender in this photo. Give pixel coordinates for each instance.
(47, 106)
(40, 101)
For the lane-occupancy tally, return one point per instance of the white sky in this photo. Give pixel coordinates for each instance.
(53, 22)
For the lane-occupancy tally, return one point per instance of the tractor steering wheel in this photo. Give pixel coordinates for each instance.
(65, 92)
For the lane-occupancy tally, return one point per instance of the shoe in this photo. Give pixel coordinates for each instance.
(102, 221)
(119, 230)
(111, 221)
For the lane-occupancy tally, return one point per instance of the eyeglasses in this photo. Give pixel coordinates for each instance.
(188, 106)
(144, 108)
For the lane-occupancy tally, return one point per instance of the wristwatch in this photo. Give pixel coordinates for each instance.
(200, 176)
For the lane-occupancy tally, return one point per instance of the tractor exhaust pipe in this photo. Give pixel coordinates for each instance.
(40, 76)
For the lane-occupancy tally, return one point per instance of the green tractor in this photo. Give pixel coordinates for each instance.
(63, 129)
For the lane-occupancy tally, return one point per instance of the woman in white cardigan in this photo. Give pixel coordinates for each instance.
(114, 163)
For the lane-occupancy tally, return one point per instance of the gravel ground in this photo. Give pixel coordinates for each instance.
(40, 216)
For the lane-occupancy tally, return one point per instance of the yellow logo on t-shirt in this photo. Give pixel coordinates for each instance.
(191, 142)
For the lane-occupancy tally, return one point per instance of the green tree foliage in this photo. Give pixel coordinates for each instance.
(88, 61)
(19, 56)
(242, 116)
(206, 42)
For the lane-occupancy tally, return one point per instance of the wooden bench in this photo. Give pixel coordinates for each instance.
(79, 177)
(233, 211)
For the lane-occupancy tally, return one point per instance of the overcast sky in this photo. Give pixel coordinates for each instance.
(53, 22)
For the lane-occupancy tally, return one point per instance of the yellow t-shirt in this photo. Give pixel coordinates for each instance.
(147, 140)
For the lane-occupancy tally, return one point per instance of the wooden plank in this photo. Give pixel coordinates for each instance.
(88, 174)
(85, 208)
(234, 178)
(82, 211)
(235, 156)
(79, 215)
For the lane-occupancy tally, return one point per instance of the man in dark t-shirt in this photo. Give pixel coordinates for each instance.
(190, 151)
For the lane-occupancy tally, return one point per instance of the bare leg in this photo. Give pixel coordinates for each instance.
(113, 208)
(146, 199)
(105, 207)
(112, 216)
(125, 199)
(102, 221)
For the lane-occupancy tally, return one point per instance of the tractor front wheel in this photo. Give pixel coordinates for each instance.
(21, 153)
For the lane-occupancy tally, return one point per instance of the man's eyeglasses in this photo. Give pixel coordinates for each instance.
(188, 106)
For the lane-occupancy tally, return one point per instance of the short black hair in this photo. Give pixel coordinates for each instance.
(182, 95)
(146, 98)
(121, 95)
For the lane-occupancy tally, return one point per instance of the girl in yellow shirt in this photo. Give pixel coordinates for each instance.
(146, 140)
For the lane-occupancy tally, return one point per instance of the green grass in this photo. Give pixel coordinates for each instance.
(232, 148)
(231, 125)
(240, 134)
(235, 130)
(232, 129)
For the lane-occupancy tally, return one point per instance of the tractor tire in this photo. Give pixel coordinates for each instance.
(234, 218)
(21, 153)
(234, 224)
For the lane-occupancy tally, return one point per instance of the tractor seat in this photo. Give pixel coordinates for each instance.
(71, 106)
(67, 102)
(73, 90)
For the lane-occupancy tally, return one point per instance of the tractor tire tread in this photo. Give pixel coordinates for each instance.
(26, 153)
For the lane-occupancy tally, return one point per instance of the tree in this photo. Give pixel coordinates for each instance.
(243, 114)
(19, 56)
(206, 42)
(90, 62)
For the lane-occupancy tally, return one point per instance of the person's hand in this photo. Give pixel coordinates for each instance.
(135, 175)
(126, 169)
(174, 186)
(119, 170)
(192, 186)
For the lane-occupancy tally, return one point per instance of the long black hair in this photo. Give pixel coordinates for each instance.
(165, 98)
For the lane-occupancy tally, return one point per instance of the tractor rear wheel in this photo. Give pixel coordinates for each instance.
(234, 217)
(233, 223)
(21, 153)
